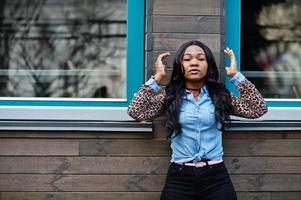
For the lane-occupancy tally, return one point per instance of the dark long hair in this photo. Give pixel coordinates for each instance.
(175, 89)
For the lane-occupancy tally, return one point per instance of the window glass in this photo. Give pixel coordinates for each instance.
(63, 48)
(271, 46)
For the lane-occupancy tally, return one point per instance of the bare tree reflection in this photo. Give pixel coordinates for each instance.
(62, 48)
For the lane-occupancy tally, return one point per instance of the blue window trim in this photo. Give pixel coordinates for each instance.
(233, 36)
(233, 33)
(135, 63)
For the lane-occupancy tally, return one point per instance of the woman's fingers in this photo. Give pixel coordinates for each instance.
(229, 52)
(232, 70)
(160, 67)
(159, 62)
(161, 56)
(164, 54)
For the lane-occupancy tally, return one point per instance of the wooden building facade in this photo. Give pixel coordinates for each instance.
(263, 163)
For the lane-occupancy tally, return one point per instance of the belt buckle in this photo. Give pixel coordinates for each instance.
(201, 164)
(195, 162)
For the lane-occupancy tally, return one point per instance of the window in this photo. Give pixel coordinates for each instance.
(59, 58)
(271, 47)
(266, 38)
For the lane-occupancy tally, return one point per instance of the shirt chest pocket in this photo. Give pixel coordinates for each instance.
(191, 116)
(187, 116)
(207, 117)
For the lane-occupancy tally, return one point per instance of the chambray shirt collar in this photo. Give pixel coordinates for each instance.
(204, 89)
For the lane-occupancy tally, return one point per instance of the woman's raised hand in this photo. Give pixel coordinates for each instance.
(232, 70)
(160, 67)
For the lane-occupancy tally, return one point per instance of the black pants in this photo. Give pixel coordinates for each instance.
(191, 183)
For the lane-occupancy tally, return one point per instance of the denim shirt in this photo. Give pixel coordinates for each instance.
(200, 137)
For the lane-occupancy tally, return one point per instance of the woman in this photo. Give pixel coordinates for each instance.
(196, 106)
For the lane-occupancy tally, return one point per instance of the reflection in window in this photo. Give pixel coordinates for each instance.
(63, 48)
(271, 46)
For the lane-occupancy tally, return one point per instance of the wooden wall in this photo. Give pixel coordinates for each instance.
(169, 23)
(107, 166)
(113, 165)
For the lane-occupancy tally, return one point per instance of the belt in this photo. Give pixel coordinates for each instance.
(201, 163)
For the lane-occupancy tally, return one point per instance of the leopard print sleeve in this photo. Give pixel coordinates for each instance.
(146, 104)
(250, 104)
